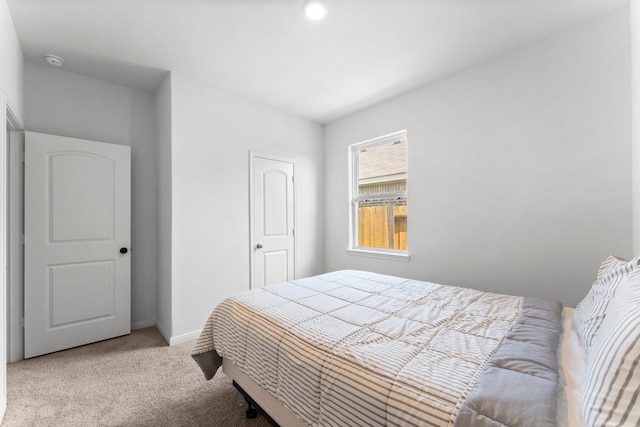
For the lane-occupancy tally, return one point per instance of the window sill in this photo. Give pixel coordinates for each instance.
(398, 256)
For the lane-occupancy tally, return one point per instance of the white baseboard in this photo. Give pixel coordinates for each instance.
(143, 324)
(163, 332)
(184, 337)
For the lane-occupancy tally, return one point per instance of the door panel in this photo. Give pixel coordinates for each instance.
(273, 214)
(81, 209)
(275, 267)
(274, 200)
(77, 217)
(91, 282)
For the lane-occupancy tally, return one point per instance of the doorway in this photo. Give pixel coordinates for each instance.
(9, 261)
(15, 237)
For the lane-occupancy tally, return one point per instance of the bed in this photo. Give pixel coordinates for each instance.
(356, 348)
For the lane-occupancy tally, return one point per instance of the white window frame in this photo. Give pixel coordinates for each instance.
(354, 249)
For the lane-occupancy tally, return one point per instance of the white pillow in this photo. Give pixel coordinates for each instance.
(611, 387)
(608, 264)
(591, 312)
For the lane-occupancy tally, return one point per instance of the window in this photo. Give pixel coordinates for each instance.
(379, 195)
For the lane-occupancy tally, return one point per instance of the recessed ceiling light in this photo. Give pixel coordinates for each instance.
(315, 9)
(54, 60)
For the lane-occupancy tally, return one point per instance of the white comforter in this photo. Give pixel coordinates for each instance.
(362, 348)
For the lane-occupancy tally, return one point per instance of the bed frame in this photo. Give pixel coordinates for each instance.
(258, 400)
(252, 407)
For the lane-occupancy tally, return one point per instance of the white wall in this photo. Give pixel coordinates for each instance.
(519, 171)
(634, 11)
(212, 134)
(163, 132)
(62, 103)
(11, 63)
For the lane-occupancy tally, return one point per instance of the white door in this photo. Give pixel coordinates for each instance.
(273, 220)
(77, 242)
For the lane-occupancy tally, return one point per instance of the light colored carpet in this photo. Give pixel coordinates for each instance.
(135, 380)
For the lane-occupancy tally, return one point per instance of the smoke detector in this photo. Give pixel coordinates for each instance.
(54, 60)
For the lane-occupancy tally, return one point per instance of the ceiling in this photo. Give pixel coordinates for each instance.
(363, 52)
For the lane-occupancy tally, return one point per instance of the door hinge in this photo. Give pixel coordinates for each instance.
(22, 156)
(22, 239)
(22, 322)
(293, 232)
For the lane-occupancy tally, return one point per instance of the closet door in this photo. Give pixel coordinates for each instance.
(272, 220)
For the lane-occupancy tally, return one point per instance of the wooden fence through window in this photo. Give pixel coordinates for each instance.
(383, 226)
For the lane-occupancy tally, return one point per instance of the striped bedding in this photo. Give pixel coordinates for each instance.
(363, 349)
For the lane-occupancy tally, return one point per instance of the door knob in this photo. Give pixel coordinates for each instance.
(259, 246)
(124, 250)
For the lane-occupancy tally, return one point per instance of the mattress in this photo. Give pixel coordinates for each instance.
(359, 348)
